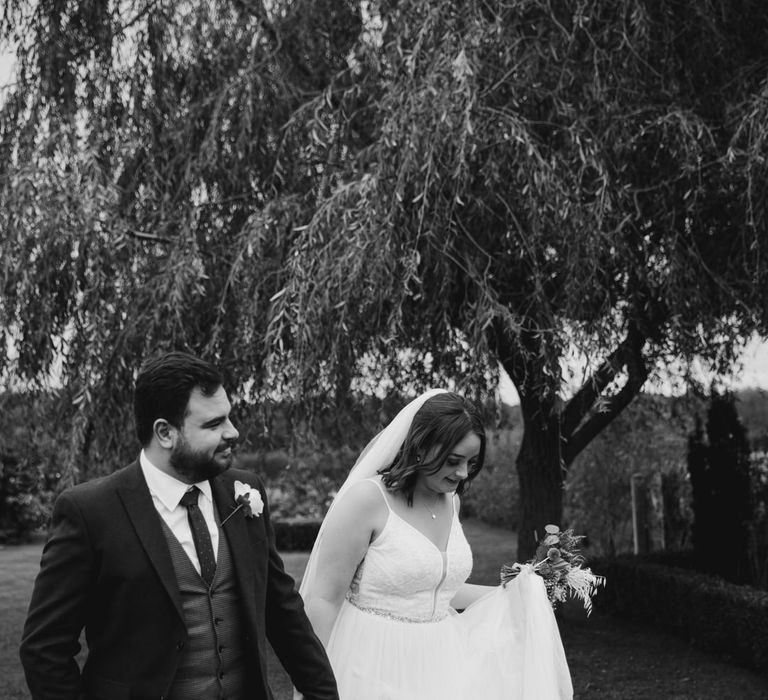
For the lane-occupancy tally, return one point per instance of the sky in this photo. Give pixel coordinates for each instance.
(752, 375)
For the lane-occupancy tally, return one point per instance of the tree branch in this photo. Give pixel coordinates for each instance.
(583, 432)
(148, 236)
(136, 18)
(578, 407)
(511, 357)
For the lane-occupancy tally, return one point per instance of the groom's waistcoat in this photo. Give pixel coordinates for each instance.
(212, 661)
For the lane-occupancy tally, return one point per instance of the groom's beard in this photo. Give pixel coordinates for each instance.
(198, 466)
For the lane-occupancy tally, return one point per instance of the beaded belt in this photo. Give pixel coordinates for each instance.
(397, 618)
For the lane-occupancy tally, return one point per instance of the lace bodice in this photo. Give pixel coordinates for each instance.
(405, 576)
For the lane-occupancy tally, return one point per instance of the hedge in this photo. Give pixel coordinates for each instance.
(295, 535)
(712, 613)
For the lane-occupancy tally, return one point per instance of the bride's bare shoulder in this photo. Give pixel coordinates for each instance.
(359, 514)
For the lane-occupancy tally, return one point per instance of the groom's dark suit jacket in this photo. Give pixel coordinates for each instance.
(106, 567)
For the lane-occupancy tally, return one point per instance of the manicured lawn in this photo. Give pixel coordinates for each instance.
(18, 567)
(610, 659)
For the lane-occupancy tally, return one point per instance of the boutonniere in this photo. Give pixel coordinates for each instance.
(248, 499)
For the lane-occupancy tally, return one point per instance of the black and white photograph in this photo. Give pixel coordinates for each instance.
(383, 350)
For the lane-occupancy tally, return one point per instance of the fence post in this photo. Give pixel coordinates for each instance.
(639, 513)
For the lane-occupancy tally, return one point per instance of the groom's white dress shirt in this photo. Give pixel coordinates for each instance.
(166, 492)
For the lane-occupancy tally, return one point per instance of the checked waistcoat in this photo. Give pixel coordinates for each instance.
(212, 660)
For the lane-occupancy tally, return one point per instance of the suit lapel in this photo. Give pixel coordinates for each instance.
(239, 539)
(146, 521)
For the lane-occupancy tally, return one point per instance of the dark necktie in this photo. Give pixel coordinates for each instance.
(200, 535)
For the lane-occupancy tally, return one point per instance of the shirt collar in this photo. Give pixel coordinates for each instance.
(168, 489)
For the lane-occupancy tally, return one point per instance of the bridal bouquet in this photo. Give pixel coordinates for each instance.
(559, 563)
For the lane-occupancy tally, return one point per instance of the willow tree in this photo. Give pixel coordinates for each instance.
(540, 177)
(142, 145)
(323, 194)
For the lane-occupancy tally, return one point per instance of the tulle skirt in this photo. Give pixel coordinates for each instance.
(505, 646)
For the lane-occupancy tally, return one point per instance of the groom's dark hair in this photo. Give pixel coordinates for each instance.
(163, 387)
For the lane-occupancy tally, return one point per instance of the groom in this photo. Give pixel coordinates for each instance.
(177, 588)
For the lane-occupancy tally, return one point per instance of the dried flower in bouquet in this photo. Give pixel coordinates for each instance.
(558, 562)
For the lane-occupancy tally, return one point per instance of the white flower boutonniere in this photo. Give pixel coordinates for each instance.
(247, 498)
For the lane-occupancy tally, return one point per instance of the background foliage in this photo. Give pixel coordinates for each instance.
(728, 488)
(327, 196)
(647, 441)
(32, 432)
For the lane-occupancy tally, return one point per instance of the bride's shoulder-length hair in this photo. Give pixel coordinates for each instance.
(438, 426)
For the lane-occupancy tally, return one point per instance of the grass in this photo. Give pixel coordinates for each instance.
(18, 567)
(610, 659)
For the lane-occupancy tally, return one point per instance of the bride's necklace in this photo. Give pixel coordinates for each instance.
(432, 512)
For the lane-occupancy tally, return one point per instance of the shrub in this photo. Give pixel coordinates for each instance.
(31, 435)
(300, 484)
(713, 613)
(676, 505)
(24, 502)
(758, 527)
(722, 502)
(494, 497)
(295, 535)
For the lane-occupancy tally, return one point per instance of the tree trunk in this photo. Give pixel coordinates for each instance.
(539, 461)
(553, 433)
(541, 476)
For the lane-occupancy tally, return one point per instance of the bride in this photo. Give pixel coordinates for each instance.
(389, 568)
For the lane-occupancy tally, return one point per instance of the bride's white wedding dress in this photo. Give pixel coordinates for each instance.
(397, 638)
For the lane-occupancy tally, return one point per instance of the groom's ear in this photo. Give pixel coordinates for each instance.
(164, 433)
